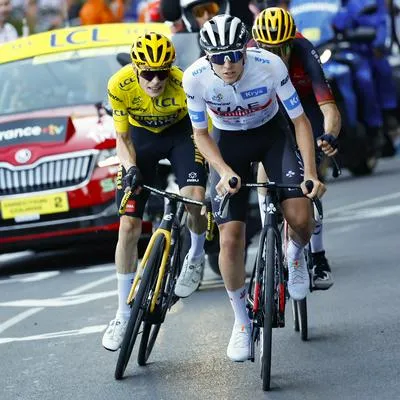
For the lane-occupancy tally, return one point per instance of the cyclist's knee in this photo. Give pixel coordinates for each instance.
(196, 193)
(232, 237)
(193, 192)
(130, 228)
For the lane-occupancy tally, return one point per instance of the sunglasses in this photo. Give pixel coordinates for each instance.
(211, 9)
(280, 51)
(231, 56)
(160, 74)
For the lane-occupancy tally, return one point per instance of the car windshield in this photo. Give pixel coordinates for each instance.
(57, 80)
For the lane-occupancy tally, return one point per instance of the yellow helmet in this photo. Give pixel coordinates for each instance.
(153, 51)
(274, 26)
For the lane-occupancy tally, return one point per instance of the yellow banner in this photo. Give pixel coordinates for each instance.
(37, 205)
(76, 38)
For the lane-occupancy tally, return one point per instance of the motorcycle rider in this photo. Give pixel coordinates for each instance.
(372, 73)
(274, 30)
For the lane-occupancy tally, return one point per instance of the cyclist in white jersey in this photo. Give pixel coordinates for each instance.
(238, 89)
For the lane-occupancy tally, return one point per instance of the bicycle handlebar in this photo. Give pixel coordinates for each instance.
(168, 195)
(223, 209)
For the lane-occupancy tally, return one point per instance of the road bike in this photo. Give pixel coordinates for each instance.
(267, 292)
(152, 291)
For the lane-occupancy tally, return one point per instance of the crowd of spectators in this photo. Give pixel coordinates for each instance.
(25, 17)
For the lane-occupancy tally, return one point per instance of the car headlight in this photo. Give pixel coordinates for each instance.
(107, 158)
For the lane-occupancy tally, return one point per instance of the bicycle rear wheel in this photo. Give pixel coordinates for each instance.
(271, 259)
(149, 336)
(303, 321)
(139, 307)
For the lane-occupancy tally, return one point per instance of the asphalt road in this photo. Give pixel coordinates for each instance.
(55, 307)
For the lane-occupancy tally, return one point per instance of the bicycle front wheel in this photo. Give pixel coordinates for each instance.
(140, 305)
(271, 259)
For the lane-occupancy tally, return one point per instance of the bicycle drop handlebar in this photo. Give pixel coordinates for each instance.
(168, 195)
(222, 211)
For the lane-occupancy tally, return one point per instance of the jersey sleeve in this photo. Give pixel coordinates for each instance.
(120, 114)
(312, 66)
(285, 90)
(197, 107)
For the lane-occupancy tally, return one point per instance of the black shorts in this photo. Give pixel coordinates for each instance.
(273, 145)
(177, 145)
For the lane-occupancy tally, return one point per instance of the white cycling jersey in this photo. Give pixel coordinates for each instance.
(249, 102)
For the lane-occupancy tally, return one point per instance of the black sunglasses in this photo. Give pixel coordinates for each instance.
(160, 74)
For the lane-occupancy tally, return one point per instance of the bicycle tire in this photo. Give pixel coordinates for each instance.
(303, 320)
(140, 304)
(149, 336)
(270, 249)
(151, 330)
(295, 311)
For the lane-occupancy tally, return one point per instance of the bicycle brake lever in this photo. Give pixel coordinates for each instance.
(223, 206)
(318, 206)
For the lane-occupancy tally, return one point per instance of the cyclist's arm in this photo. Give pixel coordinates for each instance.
(305, 143)
(322, 91)
(332, 119)
(303, 131)
(125, 148)
(198, 115)
(209, 149)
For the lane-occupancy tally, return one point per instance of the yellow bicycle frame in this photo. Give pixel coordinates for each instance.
(161, 271)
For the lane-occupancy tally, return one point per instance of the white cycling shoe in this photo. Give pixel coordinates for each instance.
(299, 279)
(114, 334)
(239, 345)
(190, 276)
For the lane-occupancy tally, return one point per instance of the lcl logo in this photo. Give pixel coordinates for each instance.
(23, 156)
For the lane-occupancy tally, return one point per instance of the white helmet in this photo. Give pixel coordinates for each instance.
(223, 33)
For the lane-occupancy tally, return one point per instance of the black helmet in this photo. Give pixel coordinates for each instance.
(187, 11)
(223, 33)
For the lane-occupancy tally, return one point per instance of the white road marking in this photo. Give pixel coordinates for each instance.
(28, 278)
(365, 213)
(92, 270)
(343, 229)
(59, 301)
(53, 335)
(361, 204)
(90, 285)
(18, 318)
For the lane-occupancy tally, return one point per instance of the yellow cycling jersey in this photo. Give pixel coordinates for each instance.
(131, 104)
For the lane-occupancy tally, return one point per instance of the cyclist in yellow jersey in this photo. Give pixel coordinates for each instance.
(152, 123)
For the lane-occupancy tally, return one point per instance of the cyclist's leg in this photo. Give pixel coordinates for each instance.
(237, 150)
(129, 233)
(322, 275)
(283, 164)
(189, 168)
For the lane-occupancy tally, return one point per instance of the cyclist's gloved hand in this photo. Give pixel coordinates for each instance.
(132, 180)
(223, 186)
(317, 188)
(328, 143)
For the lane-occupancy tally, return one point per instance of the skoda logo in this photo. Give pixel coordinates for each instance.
(23, 156)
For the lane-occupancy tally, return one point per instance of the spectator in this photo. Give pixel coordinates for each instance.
(7, 31)
(102, 12)
(172, 9)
